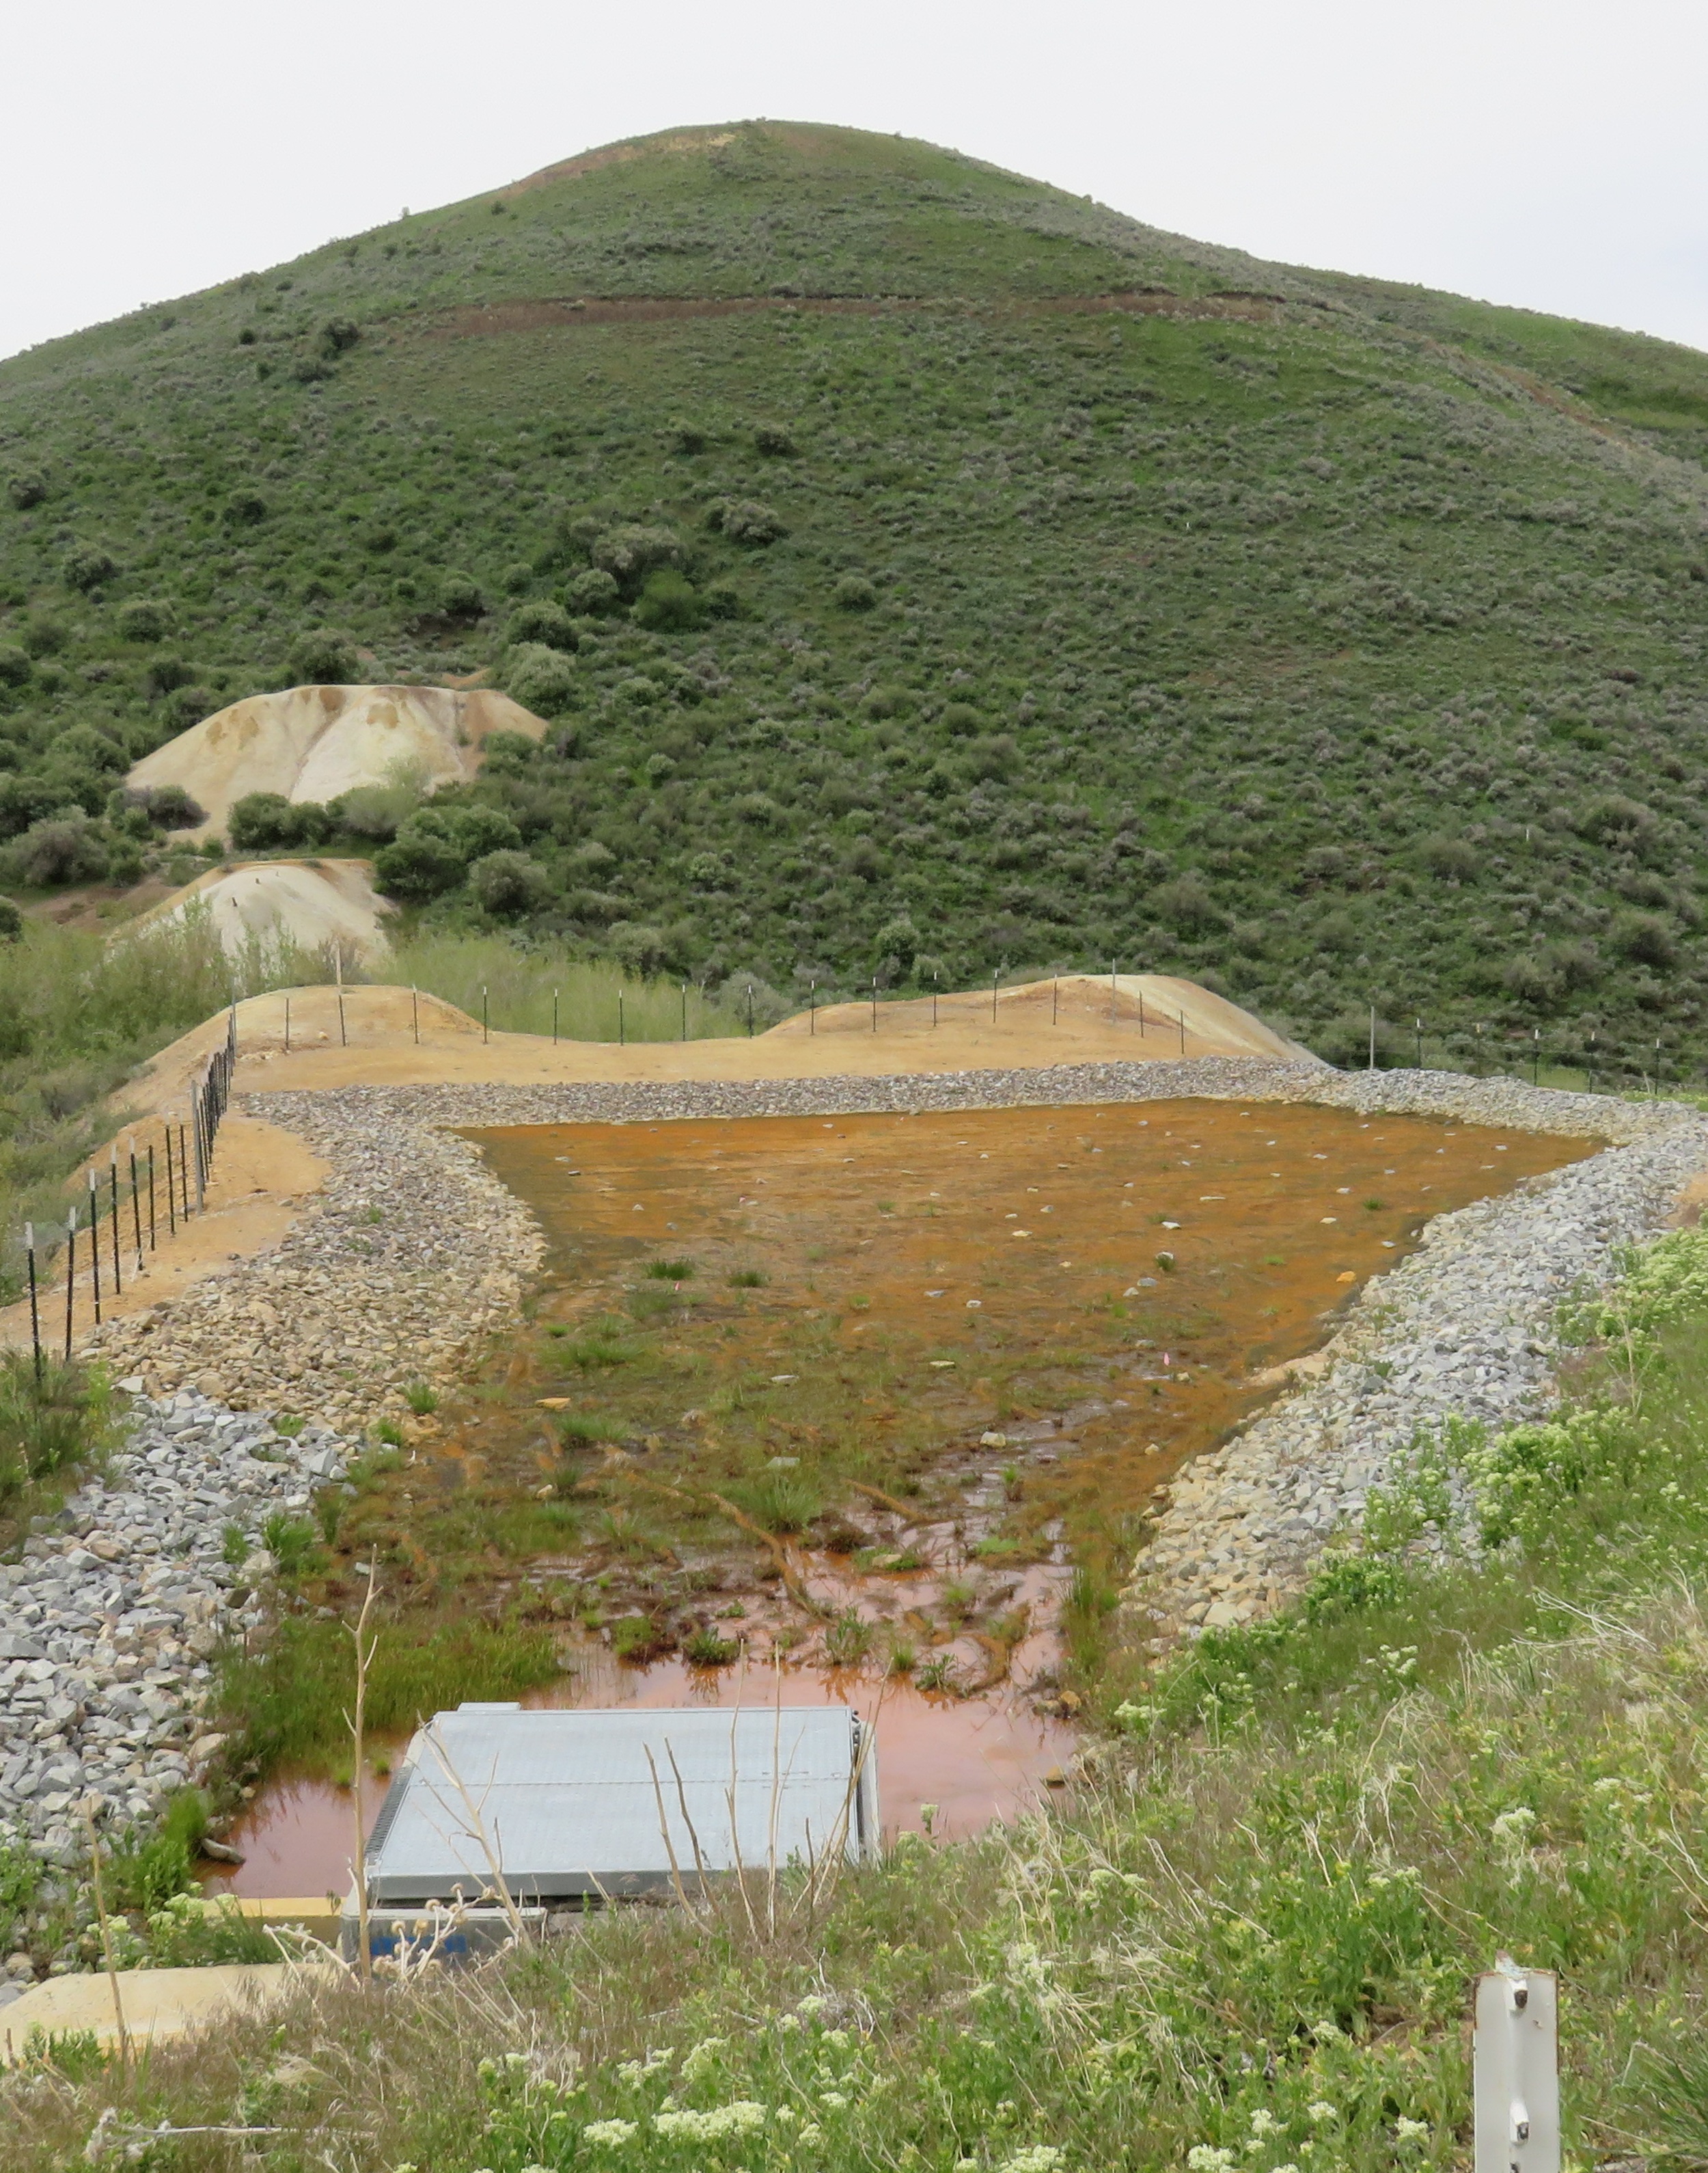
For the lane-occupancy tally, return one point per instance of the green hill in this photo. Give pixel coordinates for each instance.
(925, 569)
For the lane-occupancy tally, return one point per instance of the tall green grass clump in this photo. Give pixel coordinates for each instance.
(520, 985)
(50, 1421)
(286, 1705)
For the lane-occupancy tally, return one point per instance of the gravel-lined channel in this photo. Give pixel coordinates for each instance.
(416, 1255)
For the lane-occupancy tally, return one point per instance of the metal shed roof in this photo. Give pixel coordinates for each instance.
(567, 1804)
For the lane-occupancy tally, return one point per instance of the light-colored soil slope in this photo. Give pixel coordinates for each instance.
(315, 742)
(1039, 1024)
(262, 1178)
(312, 902)
(264, 1175)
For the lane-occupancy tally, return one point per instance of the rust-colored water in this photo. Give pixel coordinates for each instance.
(954, 1763)
(933, 1278)
(925, 1284)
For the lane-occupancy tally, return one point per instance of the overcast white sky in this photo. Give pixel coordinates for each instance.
(1542, 152)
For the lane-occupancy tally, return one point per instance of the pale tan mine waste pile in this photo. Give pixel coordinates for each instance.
(317, 904)
(312, 743)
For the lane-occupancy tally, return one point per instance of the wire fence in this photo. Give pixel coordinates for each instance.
(163, 1182)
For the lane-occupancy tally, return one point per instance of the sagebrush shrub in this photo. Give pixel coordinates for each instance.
(509, 883)
(88, 565)
(145, 618)
(323, 657)
(267, 822)
(65, 848)
(459, 597)
(745, 521)
(541, 679)
(542, 623)
(594, 591)
(630, 552)
(668, 602)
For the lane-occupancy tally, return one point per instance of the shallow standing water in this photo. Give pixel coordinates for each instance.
(972, 1344)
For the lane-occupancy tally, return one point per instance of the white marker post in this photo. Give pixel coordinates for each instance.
(1517, 2069)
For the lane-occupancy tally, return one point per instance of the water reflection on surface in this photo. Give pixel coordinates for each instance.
(973, 1759)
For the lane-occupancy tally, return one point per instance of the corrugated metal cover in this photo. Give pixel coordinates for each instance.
(567, 1803)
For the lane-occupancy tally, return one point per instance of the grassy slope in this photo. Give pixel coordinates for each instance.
(1247, 1943)
(1344, 650)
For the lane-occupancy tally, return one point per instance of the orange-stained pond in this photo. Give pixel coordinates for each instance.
(1115, 1277)
(855, 1396)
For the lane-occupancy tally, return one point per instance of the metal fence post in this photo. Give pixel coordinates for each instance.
(1516, 2068)
(70, 1275)
(136, 1203)
(94, 1245)
(34, 1309)
(118, 1280)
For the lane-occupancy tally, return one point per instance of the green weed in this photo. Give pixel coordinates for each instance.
(285, 1705)
(779, 1500)
(48, 1423)
(291, 1542)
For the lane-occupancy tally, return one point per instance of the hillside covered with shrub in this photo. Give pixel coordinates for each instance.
(921, 569)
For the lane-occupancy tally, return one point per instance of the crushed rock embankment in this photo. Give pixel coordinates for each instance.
(1464, 1327)
(108, 1623)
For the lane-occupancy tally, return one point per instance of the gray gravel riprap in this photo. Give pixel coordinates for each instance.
(1464, 1326)
(415, 1254)
(108, 1622)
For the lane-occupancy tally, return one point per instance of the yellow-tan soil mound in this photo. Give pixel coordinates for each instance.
(312, 902)
(315, 742)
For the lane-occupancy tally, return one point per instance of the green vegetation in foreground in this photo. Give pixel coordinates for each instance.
(54, 1424)
(1246, 1942)
(1328, 641)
